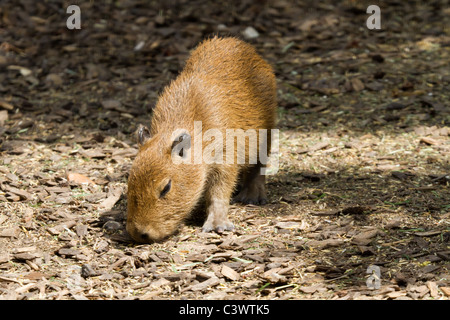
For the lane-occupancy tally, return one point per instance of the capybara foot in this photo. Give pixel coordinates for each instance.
(252, 195)
(219, 227)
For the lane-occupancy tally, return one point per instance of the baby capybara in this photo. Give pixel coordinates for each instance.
(224, 85)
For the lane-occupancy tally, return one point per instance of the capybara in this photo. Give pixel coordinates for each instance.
(224, 85)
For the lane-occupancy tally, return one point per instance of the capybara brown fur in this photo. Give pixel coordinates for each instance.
(224, 85)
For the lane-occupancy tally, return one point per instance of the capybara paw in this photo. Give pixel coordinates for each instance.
(218, 227)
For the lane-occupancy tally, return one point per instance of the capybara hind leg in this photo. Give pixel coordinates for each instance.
(217, 196)
(253, 190)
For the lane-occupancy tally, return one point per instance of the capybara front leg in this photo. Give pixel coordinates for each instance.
(217, 198)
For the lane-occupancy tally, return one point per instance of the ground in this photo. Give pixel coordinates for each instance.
(360, 205)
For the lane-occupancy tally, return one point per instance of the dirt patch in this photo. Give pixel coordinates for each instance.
(359, 208)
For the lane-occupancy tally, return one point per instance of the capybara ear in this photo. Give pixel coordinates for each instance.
(143, 134)
(181, 144)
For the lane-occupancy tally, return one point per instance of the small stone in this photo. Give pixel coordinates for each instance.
(250, 33)
(88, 271)
(112, 226)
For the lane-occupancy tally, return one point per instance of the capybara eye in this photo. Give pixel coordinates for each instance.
(166, 189)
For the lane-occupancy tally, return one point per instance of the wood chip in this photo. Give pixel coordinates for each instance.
(4, 257)
(112, 104)
(446, 291)
(24, 195)
(357, 84)
(432, 286)
(428, 141)
(3, 117)
(119, 262)
(23, 249)
(68, 252)
(290, 225)
(316, 147)
(248, 238)
(323, 244)
(25, 288)
(421, 290)
(93, 153)
(56, 230)
(81, 230)
(8, 279)
(36, 275)
(313, 288)
(211, 282)
(159, 283)
(113, 196)
(151, 294)
(229, 273)
(10, 232)
(6, 105)
(273, 276)
(393, 224)
(396, 294)
(428, 233)
(25, 256)
(127, 152)
(364, 238)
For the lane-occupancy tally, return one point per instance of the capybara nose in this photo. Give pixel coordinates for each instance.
(144, 237)
(136, 234)
(142, 234)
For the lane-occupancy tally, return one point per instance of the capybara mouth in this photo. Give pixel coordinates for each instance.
(149, 237)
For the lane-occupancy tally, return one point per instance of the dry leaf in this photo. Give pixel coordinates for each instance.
(79, 178)
(445, 290)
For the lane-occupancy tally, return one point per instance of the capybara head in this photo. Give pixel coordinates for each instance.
(162, 190)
